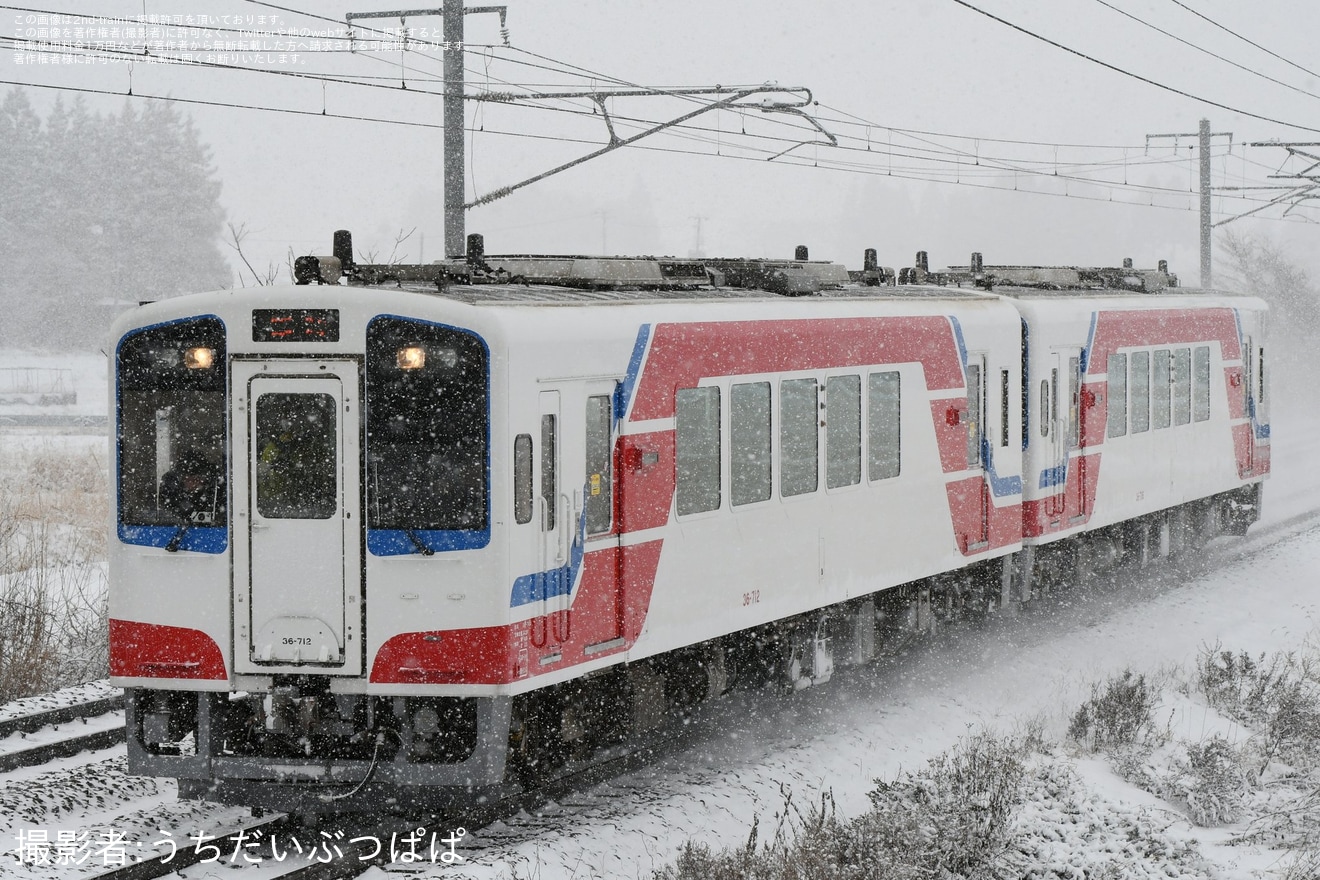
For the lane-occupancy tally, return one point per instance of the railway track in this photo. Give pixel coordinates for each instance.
(85, 727)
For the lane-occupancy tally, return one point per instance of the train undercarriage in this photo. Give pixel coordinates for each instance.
(302, 748)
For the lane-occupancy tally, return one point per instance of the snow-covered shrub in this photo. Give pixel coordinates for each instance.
(1304, 864)
(1216, 782)
(956, 813)
(811, 845)
(1278, 696)
(953, 818)
(1119, 713)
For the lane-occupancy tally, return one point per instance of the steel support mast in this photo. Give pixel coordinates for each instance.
(451, 16)
(1203, 136)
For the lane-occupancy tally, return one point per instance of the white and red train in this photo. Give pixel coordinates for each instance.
(444, 528)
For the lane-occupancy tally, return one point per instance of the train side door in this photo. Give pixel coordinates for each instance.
(1251, 401)
(1067, 430)
(579, 543)
(602, 615)
(556, 535)
(977, 447)
(297, 490)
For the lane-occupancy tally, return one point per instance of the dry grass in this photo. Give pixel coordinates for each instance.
(52, 568)
(952, 818)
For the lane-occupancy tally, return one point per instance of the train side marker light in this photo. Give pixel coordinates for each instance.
(199, 358)
(411, 358)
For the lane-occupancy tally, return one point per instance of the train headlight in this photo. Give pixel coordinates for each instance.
(412, 357)
(199, 358)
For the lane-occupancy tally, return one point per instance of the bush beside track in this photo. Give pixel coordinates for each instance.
(1228, 752)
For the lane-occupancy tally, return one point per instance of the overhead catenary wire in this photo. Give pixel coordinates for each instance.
(929, 172)
(1128, 73)
(1238, 36)
(790, 160)
(1206, 51)
(36, 45)
(933, 154)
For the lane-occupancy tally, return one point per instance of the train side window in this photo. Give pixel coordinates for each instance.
(1003, 407)
(843, 431)
(549, 479)
(1116, 418)
(600, 510)
(1074, 402)
(974, 414)
(749, 443)
(1260, 373)
(1182, 386)
(1248, 375)
(799, 437)
(1140, 386)
(1201, 383)
(1045, 407)
(697, 453)
(1160, 387)
(522, 479)
(883, 423)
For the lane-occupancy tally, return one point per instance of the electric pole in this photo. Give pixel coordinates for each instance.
(700, 251)
(451, 16)
(1203, 136)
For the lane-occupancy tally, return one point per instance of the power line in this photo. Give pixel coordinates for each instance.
(1234, 33)
(853, 168)
(1205, 51)
(224, 104)
(1128, 73)
(992, 163)
(700, 134)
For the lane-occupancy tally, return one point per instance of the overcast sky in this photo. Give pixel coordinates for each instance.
(879, 71)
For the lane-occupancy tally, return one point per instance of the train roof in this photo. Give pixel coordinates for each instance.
(538, 279)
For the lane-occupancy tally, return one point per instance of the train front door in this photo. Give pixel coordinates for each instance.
(297, 548)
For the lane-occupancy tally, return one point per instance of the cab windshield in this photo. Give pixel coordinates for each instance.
(171, 428)
(427, 433)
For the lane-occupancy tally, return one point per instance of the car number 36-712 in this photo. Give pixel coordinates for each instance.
(295, 640)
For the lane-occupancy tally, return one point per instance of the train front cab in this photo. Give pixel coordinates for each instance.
(241, 583)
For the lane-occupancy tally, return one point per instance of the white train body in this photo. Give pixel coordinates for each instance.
(386, 539)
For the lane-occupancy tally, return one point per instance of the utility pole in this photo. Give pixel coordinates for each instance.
(451, 16)
(1203, 136)
(699, 250)
(455, 184)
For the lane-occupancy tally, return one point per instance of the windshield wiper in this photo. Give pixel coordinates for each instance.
(418, 543)
(173, 545)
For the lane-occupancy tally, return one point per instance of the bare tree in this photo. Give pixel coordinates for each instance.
(236, 236)
(395, 257)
